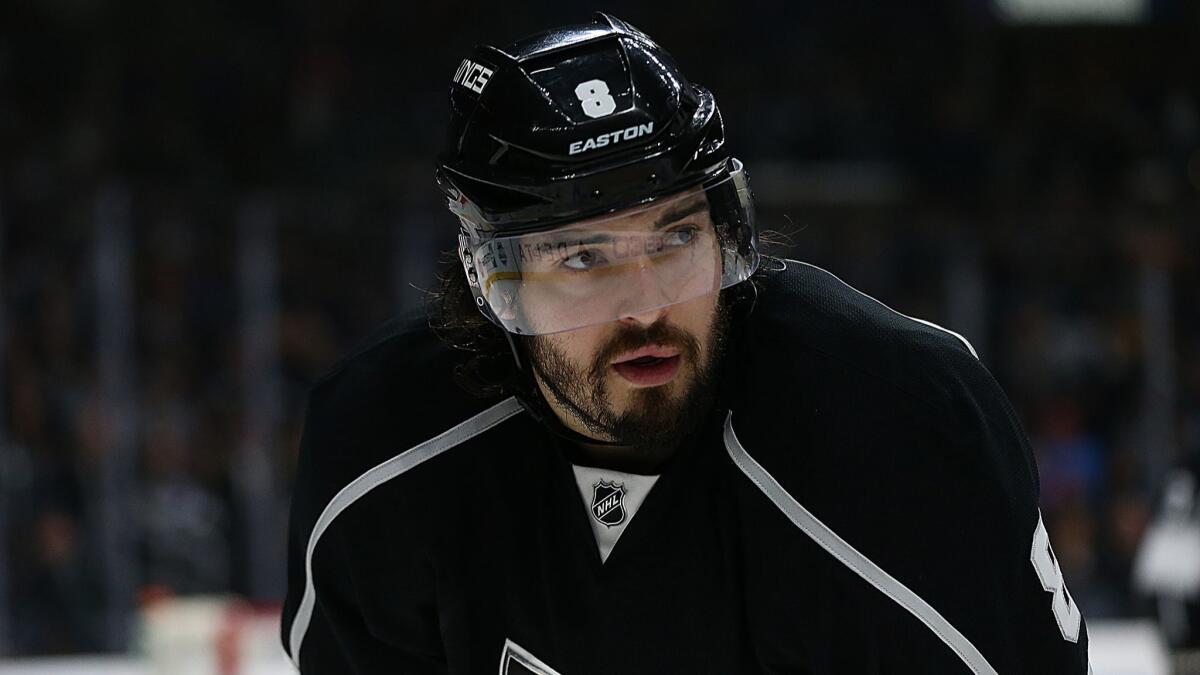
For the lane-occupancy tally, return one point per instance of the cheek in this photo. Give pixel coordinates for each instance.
(697, 319)
(578, 347)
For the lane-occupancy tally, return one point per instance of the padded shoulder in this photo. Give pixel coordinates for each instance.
(805, 310)
(395, 391)
(838, 394)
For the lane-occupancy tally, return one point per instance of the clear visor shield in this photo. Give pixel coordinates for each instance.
(624, 264)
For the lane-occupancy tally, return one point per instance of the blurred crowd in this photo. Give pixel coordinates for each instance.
(1040, 194)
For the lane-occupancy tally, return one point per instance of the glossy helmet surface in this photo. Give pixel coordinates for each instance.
(576, 122)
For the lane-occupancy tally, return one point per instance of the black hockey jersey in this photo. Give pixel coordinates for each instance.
(863, 501)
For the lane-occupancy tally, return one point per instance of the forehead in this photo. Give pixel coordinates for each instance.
(658, 213)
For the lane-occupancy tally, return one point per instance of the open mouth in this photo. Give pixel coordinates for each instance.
(649, 367)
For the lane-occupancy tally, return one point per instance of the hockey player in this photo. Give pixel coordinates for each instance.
(627, 442)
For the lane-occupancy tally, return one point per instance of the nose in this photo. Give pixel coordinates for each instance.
(645, 318)
(648, 291)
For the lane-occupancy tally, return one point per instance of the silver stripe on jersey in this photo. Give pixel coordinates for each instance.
(515, 653)
(913, 318)
(850, 557)
(372, 479)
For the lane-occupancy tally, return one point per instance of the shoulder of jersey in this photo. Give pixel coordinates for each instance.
(824, 369)
(812, 332)
(393, 392)
(887, 434)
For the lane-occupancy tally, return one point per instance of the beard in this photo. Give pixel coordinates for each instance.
(655, 420)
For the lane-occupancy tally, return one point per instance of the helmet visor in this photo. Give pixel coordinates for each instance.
(675, 249)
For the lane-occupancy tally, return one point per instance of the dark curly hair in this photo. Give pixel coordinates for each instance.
(488, 369)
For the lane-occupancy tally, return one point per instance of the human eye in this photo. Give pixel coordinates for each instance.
(680, 236)
(583, 260)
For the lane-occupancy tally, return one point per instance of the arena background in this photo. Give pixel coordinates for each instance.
(202, 205)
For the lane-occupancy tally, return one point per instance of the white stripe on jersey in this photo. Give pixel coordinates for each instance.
(372, 479)
(850, 557)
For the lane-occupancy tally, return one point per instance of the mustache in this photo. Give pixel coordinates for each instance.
(630, 338)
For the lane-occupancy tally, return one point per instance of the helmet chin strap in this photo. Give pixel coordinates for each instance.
(516, 354)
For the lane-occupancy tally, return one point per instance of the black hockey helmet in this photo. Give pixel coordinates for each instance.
(569, 125)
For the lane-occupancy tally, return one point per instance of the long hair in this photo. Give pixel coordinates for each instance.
(488, 368)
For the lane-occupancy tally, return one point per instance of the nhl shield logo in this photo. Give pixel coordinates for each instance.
(608, 503)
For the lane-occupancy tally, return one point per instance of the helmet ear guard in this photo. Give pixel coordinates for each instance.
(742, 225)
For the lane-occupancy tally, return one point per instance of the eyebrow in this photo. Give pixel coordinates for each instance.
(680, 213)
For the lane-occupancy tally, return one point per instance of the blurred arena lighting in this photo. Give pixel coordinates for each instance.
(1073, 11)
(1167, 566)
(199, 635)
(1127, 648)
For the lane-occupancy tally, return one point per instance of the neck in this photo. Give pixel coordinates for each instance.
(594, 447)
(585, 451)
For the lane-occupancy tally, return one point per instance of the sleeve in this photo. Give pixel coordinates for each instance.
(330, 618)
(1020, 614)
